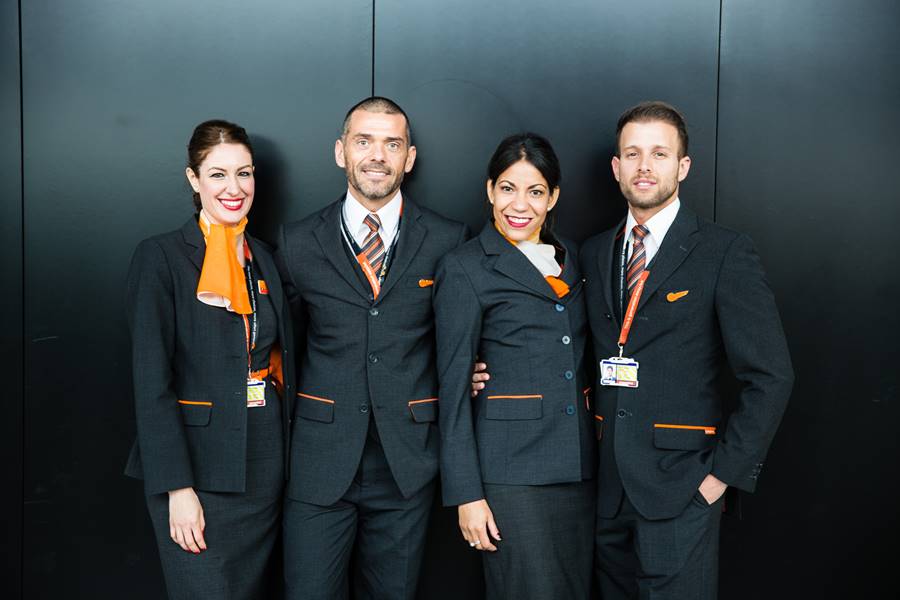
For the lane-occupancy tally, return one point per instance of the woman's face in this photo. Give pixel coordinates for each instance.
(521, 200)
(225, 183)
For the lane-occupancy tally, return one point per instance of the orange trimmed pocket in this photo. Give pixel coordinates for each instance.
(194, 403)
(587, 397)
(424, 410)
(316, 398)
(708, 430)
(598, 426)
(515, 397)
(514, 407)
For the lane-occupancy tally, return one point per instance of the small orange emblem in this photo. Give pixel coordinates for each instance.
(263, 288)
(426, 282)
(674, 296)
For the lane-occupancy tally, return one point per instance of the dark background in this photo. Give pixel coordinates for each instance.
(793, 113)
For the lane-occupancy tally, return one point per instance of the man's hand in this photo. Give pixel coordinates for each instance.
(475, 521)
(479, 376)
(186, 523)
(712, 488)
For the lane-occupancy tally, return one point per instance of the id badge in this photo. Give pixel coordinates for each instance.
(256, 393)
(619, 371)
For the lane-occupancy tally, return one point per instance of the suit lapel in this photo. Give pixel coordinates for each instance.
(609, 271)
(410, 238)
(512, 263)
(193, 237)
(676, 246)
(268, 273)
(331, 239)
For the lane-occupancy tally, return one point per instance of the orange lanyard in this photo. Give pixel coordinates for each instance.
(632, 309)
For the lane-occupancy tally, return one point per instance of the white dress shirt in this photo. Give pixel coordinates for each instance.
(658, 225)
(389, 214)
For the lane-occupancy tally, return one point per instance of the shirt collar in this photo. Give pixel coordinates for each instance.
(355, 213)
(658, 224)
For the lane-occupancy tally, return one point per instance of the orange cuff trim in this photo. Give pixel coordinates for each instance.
(325, 400)
(705, 429)
(586, 390)
(411, 402)
(514, 397)
(598, 417)
(194, 403)
(426, 283)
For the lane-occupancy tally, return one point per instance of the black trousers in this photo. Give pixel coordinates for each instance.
(668, 559)
(372, 523)
(243, 530)
(547, 541)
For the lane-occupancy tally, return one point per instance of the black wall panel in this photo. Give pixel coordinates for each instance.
(807, 155)
(471, 72)
(112, 91)
(11, 300)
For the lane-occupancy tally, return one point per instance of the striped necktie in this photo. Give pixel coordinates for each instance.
(373, 246)
(638, 260)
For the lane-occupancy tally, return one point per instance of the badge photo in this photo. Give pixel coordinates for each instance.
(619, 372)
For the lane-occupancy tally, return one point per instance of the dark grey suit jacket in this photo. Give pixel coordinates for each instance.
(531, 425)
(184, 350)
(360, 356)
(665, 436)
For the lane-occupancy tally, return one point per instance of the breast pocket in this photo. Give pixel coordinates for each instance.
(514, 407)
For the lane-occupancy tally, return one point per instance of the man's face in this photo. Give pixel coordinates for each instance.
(648, 168)
(375, 153)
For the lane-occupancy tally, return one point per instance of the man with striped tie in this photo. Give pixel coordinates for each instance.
(673, 301)
(364, 441)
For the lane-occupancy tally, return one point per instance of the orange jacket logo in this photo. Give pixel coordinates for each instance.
(675, 296)
(263, 288)
(426, 282)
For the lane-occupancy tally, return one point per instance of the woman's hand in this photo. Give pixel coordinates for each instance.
(479, 376)
(186, 522)
(475, 521)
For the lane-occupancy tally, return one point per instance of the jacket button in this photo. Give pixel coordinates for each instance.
(374, 312)
(560, 308)
(608, 316)
(568, 374)
(566, 339)
(570, 410)
(363, 408)
(621, 413)
(373, 358)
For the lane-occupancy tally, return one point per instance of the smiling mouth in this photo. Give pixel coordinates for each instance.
(517, 222)
(376, 173)
(232, 204)
(644, 184)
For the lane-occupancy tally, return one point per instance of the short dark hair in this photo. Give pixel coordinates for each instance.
(206, 136)
(534, 149)
(377, 104)
(654, 110)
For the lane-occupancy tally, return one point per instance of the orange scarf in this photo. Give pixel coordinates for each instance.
(222, 281)
(560, 287)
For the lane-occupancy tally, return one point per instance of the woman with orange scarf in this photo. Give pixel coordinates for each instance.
(520, 457)
(209, 327)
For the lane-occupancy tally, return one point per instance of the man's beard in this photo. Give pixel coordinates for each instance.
(372, 190)
(664, 191)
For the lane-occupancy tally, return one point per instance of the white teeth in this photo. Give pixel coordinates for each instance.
(518, 220)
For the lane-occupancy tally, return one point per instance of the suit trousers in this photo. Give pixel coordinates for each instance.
(243, 530)
(667, 559)
(383, 532)
(547, 541)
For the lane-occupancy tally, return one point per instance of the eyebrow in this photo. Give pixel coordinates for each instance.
(214, 168)
(369, 136)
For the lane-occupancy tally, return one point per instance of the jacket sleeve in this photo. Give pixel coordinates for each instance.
(283, 261)
(458, 331)
(150, 301)
(758, 354)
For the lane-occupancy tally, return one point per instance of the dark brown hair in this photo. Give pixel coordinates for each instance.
(206, 136)
(377, 104)
(654, 110)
